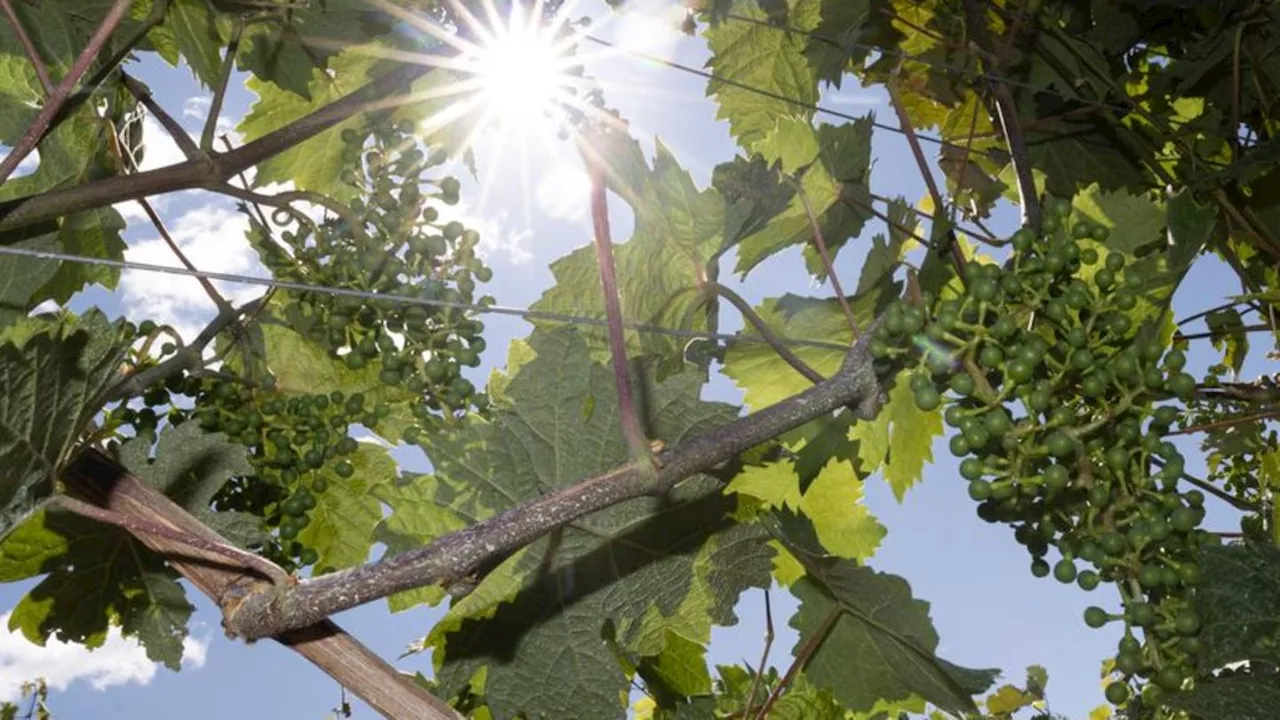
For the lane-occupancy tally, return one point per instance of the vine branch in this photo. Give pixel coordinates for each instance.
(36, 132)
(170, 125)
(205, 172)
(457, 556)
(757, 322)
(957, 255)
(637, 445)
(220, 92)
(1007, 114)
(109, 487)
(821, 244)
(33, 55)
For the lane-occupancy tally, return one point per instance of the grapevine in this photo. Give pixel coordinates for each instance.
(299, 443)
(1057, 397)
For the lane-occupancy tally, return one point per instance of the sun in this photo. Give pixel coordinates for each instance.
(523, 68)
(522, 73)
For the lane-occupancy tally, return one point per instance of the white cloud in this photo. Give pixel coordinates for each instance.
(497, 238)
(118, 662)
(197, 106)
(564, 193)
(650, 26)
(212, 238)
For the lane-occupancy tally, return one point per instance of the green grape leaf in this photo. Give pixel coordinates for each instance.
(304, 367)
(880, 642)
(93, 233)
(648, 566)
(911, 432)
(418, 516)
(763, 376)
(97, 576)
(1238, 697)
(21, 277)
(775, 485)
(836, 168)
(200, 36)
(348, 511)
(833, 502)
(846, 34)
(285, 53)
(54, 375)
(805, 701)
(190, 466)
(317, 163)
(677, 230)
(1230, 336)
(680, 669)
(1237, 600)
(1075, 154)
(762, 58)
(754, 193)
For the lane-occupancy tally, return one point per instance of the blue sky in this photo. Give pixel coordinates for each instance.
(988, 609)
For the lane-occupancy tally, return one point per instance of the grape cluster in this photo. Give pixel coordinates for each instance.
(1055, 394)
(389, 240)
(392, 241)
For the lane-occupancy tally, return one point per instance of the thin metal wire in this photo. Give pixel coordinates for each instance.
(526, 313)
(769, 93)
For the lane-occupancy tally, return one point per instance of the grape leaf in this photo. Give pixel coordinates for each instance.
(880, 643)
(190, 466)
(1237, 697)
(97, 576)
(1237, 601)
(317, 163)
(753, 192)
(52, 384)
(833, 502)
(848, 32)
(836, 166)
(911, 432)
(348, 511)
(763, 58)
(680, 669)
(285, 53)
(647, 566)
(1075, 154)
(677, 230)
(200, 36)
(303, 367)
(1230, 337)
(418, 516)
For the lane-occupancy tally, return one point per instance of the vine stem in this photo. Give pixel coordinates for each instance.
(1007, 114)
(801, 659)
(957, 255)
(748, 313)
(1210, 311)
(109, 487)
(171, 126)
(220, 92)
(821, 244)
(1225, 331)
(32, 136)
(141, 526)
(629, 414)
(465, 553)
(764, 656)
(210, 290)
(33, 55)
(1228, 422)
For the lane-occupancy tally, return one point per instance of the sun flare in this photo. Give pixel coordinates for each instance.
(524, 72)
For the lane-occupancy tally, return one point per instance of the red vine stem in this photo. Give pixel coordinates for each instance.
(805, 652)
(821, 245)
(32, 137)
(764, 656)
(629, 417)
(1225, 423)
(42, 73)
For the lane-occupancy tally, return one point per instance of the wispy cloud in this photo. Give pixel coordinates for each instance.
(212, 238)
(118, 662)
(499, 240)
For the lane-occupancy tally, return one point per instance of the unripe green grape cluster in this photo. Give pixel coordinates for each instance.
(1055, 394)
(298, 444)
(405, 250)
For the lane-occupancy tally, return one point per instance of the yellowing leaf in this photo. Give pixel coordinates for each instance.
(844, 525)
(775, 484)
